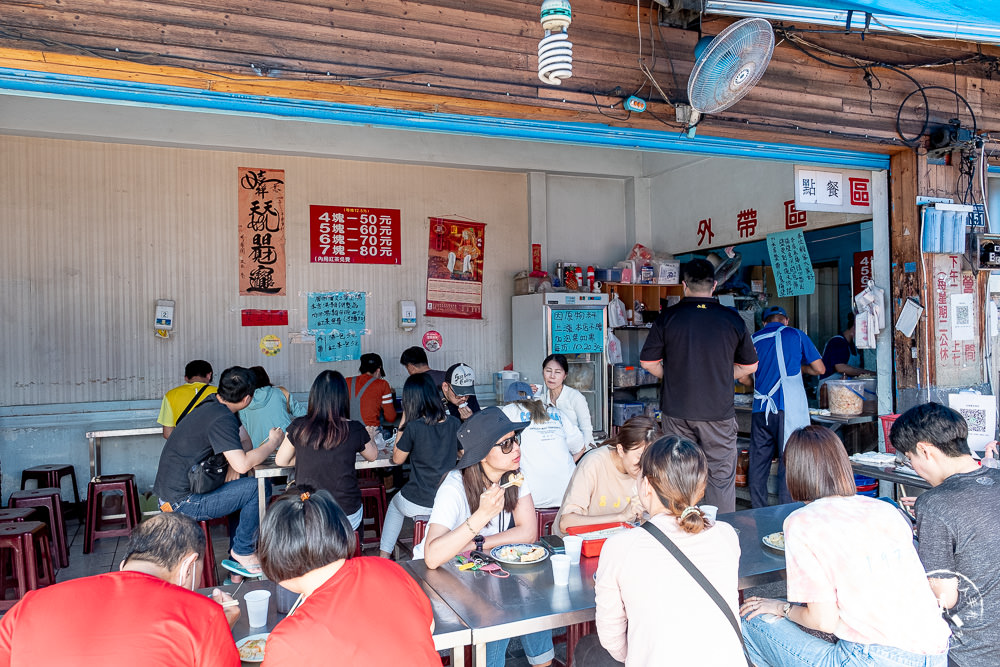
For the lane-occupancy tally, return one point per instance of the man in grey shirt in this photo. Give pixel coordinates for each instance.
(957, 529)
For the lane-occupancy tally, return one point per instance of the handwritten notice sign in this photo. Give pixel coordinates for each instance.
(354, 235)
(261, 210)
(793, 271)
(338, 346)
(336, 311)
(577, 330)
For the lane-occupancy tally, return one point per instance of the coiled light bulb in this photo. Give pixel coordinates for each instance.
(555, 51)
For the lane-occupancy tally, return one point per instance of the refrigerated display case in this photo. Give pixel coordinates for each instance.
(571, 323)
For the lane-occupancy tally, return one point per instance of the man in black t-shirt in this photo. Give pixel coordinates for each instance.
(957, 530)
(213, 428)
(699, 348)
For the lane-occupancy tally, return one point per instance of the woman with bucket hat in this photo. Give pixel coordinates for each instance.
(470, 504)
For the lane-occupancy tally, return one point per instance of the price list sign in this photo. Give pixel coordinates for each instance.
(793, 271)
(577, 331)
(354, 235)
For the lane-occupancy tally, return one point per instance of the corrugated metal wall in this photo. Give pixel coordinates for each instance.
(95, 233)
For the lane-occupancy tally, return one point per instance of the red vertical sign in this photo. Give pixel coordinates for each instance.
(354, 235)
(861, 272)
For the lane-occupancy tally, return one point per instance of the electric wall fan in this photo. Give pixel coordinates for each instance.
(728, 67)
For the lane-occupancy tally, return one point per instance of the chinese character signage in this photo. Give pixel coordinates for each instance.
(955, 327)
(578, 330)
(337, 346)
(354, 235)
(456, 251)
(861, 272)
(793, 271)
(840, 190)
(261, 206)
(337, 319)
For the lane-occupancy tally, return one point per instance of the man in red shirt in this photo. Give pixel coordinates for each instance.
(370, 395)
(145, 614)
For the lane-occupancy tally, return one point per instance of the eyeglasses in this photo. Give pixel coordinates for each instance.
(507, 446)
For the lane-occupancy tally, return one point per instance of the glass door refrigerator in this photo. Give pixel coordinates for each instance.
(571, 323)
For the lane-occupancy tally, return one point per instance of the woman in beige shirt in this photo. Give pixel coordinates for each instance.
(650, 611)
(603, 486)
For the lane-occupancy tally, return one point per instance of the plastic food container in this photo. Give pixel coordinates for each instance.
(592, 547)
(846, 397)
(622, 411)
(625, 376)
(870, 406)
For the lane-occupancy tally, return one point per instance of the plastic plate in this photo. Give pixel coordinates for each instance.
(503, 554)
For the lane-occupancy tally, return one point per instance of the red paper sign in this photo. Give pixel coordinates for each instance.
(264, 318)
(861, 272)
(455, 268)
(354, 235)
(261, 222)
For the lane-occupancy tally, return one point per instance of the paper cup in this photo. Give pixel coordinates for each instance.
(560, 569)
(257, 603)
(710, 512)
(573, 545)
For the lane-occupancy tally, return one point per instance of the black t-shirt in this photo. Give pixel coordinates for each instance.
(698, 341)
(210, 428)
(959, 536)
(332, 469)
(433, 452)
(453, 409)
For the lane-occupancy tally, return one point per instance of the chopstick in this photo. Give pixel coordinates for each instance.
(230, 603)
(511, 483)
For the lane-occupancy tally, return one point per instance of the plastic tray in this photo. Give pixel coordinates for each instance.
(592, 548)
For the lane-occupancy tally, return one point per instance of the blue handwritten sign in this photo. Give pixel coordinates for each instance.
(577, 330)
(793, 271)
(336, 311)
(338, 346)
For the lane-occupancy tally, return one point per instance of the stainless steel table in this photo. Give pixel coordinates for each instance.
(527, 601)
(95, 438)
(759, 564)
(890, 474)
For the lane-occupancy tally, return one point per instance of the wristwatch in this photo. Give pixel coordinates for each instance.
(785, 608)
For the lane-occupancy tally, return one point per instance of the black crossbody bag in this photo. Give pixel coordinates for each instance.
(700, 578)
(194, 402)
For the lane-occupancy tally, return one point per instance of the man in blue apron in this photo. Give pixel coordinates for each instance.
(779, 398)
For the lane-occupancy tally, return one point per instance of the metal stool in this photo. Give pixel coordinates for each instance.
(374, 500)
(51, 475)
(51, 500)
(31, 557)
(125, 484)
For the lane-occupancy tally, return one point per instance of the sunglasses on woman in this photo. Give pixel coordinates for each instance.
(507, 446)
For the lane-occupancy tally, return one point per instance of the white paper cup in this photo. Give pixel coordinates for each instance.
(573, 545)
(257, 603)
(560, 569)
(710, 512)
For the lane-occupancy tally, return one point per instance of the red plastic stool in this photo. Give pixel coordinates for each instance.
(95, 530)
(419, 528)
(209, 579)
(50, 476)
(357, 544)
(31, 557)
(374, 501)
(546, 516)
(15, 514)
(573, 635)
(51, 500)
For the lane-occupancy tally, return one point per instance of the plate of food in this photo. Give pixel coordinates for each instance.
(252, 648)
(775, 540)
(519, 554)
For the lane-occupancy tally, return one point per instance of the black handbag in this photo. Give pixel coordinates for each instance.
(208, 475)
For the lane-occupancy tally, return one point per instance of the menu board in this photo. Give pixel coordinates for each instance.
(336, 311)
(354, 235)
(577, 330)
(793, 271)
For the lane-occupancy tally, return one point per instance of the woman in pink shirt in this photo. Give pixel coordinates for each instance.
(852, 571)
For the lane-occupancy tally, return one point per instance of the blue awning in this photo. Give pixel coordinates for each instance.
(951, 11)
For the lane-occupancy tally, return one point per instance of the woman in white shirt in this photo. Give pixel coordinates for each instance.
(550, 445)
(650, 610)
(568, 400)
(470, 506)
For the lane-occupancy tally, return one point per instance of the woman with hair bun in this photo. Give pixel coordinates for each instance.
(306, 544)
(650, 611)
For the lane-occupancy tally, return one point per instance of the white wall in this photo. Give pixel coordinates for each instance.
(585, 220)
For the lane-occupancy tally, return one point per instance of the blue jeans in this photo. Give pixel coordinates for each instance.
(399, 507)
(777, 642)
(537, 647)
(238, 495)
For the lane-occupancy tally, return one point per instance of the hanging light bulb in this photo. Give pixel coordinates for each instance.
(555, 51)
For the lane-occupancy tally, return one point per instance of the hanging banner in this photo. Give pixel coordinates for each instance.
(354, 235)
(793, 271)
(455, 268)
(261, 214)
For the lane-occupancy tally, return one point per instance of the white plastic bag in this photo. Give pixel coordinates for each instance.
(614, 349)
(616, 312)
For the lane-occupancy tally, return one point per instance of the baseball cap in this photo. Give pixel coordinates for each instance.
(462, 379)
(518, 391)
(771, 311)
(480, 432)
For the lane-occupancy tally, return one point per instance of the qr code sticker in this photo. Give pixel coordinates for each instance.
(976, 419)
(962, 316)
